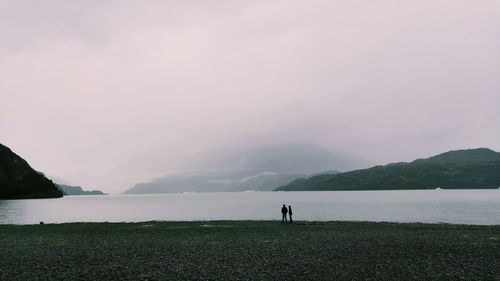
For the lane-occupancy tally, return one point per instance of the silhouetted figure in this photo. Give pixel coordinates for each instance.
(284, 210)
(290, 212)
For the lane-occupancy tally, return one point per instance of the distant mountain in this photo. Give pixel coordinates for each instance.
(266, 181)
(460, 169)
(209, 183)
(261, 168)
(77, 190)
(19, 181)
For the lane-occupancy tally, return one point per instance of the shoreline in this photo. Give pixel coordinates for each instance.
(249, 250)
(276, 221)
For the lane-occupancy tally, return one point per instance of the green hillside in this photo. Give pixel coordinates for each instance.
(19, 181)
(460, 169)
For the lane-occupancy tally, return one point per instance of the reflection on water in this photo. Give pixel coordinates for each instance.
(451, 206)
(12, 210)
(4, 208)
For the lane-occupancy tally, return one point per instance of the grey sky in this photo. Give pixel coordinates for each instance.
(86, 86)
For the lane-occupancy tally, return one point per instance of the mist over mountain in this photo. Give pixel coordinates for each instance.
(124, 92)
(252, 168)
(460, 169)
(211, 183)
(302, 158)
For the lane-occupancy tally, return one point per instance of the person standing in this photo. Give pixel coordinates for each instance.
(284, 211)
(290, 212)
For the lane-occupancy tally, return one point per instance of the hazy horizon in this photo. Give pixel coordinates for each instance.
(90, 87)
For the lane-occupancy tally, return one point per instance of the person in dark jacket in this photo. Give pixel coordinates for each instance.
(284, 211)
(290, 212)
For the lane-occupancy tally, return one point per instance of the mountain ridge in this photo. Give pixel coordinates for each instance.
(77, 190)
(18, 180)
(456, 169)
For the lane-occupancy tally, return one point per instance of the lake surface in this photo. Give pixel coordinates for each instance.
(430, 206)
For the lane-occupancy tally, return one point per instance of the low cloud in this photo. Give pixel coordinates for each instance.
(87, 85)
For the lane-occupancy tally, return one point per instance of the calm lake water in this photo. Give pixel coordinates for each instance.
(432, 206)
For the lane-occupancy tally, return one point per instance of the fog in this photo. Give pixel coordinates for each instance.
(89, 87)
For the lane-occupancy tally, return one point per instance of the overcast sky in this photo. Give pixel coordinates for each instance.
(86, 86)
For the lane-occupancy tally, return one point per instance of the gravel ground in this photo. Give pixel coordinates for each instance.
(249, 250)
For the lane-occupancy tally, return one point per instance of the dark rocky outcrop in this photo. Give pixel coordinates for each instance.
(19, 181)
